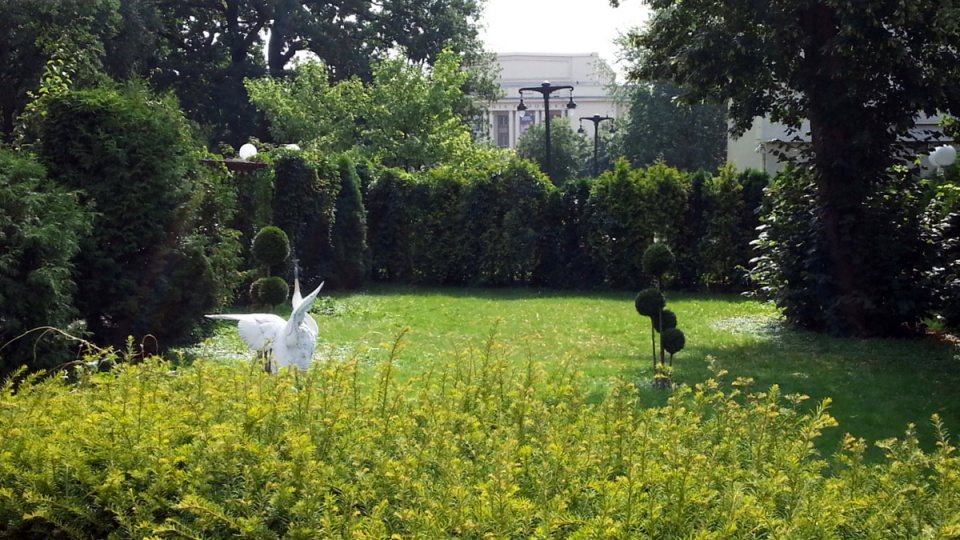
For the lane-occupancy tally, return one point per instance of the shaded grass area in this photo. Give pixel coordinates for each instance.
(877, 387)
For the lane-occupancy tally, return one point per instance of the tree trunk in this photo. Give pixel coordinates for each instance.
(851, 149)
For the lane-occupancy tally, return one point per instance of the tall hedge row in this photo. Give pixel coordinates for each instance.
(507, 225)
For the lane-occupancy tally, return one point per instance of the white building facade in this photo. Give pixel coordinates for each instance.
(586, 73)
(762, 146)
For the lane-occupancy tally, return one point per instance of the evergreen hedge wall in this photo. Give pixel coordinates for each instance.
(508, 225)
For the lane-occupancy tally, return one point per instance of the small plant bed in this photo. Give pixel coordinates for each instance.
(877, 387)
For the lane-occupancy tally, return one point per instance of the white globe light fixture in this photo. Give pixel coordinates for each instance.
(247, 151)
(943, 156)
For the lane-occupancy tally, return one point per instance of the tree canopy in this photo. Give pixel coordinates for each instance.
(407, 117)
(688, 137)
(570, 153)
(860, 72)
(204, 50)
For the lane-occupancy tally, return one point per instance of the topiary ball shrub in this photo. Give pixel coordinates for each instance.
(269, 291)
(668, 317)
(271, 246)
(657, 259)
(649, 302)
(673, 340)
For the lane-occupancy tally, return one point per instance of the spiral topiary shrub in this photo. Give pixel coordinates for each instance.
(673, 341)
(271, 247)
(269, 291)
(657, 260)
(649, 302)
(666, 321)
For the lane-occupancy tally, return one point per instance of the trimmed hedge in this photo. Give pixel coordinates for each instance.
(474, 450)
(508, 226)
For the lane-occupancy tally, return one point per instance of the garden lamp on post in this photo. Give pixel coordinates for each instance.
(596, 119)
(546, 89)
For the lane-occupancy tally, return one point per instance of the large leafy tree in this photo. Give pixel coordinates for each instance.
(570, 154)
(860, 72)
(406, 117)
(688, 137)
(39, 31)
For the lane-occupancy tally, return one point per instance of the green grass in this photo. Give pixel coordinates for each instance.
(877, 387)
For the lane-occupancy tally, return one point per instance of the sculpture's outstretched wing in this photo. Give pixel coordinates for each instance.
(297, 299)
(300, 333)
(257, 330)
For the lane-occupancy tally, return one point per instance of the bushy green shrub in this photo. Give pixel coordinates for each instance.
(628, 209)
(441, 248)
(649, 302)
(504, 213)
(271, 247)
(477, 449)
(725, 244)
(567, 260)
(304, 204)
(794, 269)
(657, 260)
(390, 225)
(148, 265)
(41, 225)
(349, 231)
(269, 291)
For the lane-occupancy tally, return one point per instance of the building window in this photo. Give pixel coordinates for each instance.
(503, 129)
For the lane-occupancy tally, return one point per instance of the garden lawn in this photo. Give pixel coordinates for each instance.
(877, 387)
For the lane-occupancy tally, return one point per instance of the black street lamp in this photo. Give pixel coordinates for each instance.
(546, 89)
(596, 119)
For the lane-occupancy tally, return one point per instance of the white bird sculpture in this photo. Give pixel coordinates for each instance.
(287, 343)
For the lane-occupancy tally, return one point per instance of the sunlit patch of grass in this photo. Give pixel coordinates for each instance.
(878, 387)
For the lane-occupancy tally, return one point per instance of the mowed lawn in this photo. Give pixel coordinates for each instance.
(877, 387)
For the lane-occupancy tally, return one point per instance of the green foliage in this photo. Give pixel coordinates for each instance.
(269, 291)
(307, 107)
(390, 231)
(219, 451)
(41, 225)
(659, 128)
(657, 260)
(567, 260)
(304, 203)
(793, 265)
(570, 154)
(48, 45)
(442, 248)
(672, 339)
(158, 235)
(271, 246)
(484, 229)
(726, 240)
(861, 91)
(667, 319)
(349, 231)
(504, 213)
(406, 117)
(627, 209)
(649, 302)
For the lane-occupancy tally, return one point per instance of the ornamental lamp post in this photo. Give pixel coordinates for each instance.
(596, 119)
(546, 89)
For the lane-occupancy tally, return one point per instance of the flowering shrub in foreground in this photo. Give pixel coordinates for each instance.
(474, 448)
